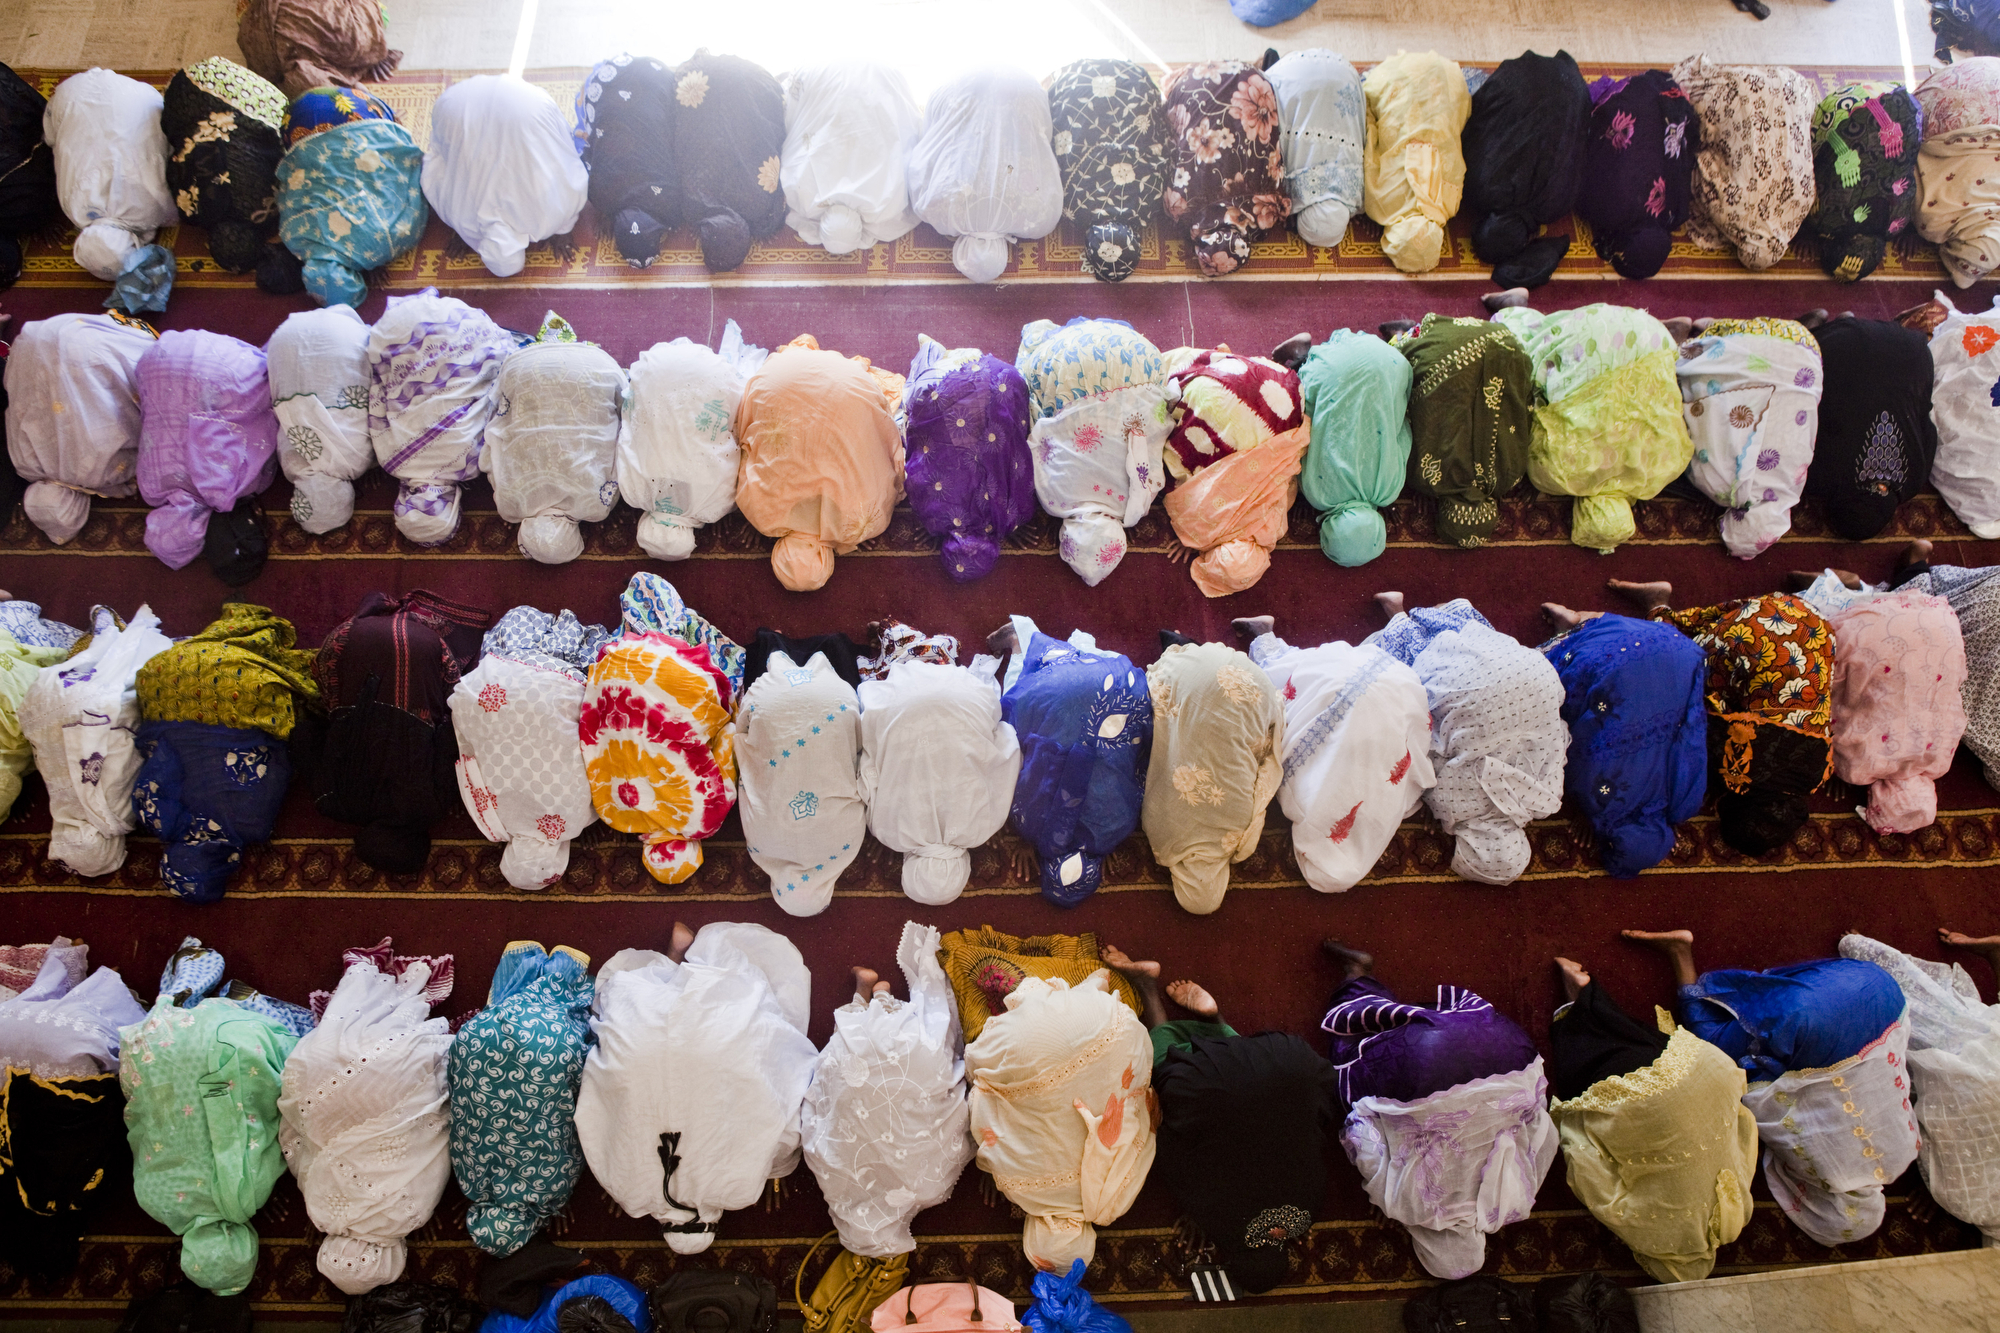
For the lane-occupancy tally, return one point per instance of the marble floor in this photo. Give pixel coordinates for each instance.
(1937, 1293)
(933, 39)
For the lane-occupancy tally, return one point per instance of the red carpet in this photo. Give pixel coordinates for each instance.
(303, 898)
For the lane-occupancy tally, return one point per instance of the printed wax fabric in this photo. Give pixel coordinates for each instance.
(201, 1089)
(970, 477)
(111, 175)
(207, 436)
(366, 1125)
(1472, 401)
(1067, 363)
(1682, 1109)
(501, 169)
(729, 134)
(1497, 735)
(1974, 595)
(552, 443)
(1752, 389)
(1638, 169)
(983, 170)
(318, 364)
(1061, 1094)
(301, 44)
(1898, 710)
(1958, 207)
(1214, 767)
(519, 767)
(938, 769)
(822, 457)
(849, 127)
(1963, 407)
(885, 1123)
(514, 1071)
(82, 717)
(1084, 720)
(73, 415)
(1110, 141)
(1523, 148)
(1246, 1131)
(1323, 128)
(677, 453)
(1356, 753)
(28, 643)
(627, 142)
(1753, 186)
(1638, 757)
(651, 605)
(434, 372)
(1237, 441)
(691, 1094)
(1865, 142)
(1769, 698)
(1098, 464)
(350, 192)
(1954, 1061)
(218, 708)
(221, 123)
(1355, 390)
(1225, 163)
(28, 201)
(798, 751)
(1876, 441)
(385, 676)
(1414, 168)
(895, 642)
(1608, 426)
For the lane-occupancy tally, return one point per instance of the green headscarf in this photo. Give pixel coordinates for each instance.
(1472, 396)
(1356, 390)
(241, 671)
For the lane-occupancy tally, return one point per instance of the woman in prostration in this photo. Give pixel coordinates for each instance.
(1446, 1112)
(1824, 1044)
(1769, 697)
(1657, 1140)
(1246, 1125)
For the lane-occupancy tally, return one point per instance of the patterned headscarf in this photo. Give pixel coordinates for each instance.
(1415, 165)
(1098, 466)
(27, 644)
(1238, 437)
(1066, 363)
(350, 191)
(1898, 710)
(651, 605)
(1471, 413)
(221, 123)
(627, 141)
(318, 364)
(1876, 439)
(729, 133)
(1966, 471)
(1356, 392)
(1226, 181)
(243, 670)
(1110, 128)
(969, 475)
(1752, 390)
(1972, 26)
(1323, 125)
(800, 804)
(1638, 169)
(1754, 188)
(1523, 163)
(552, 444)
(320, 109)
(1958, 207)
(1865, 141)
(302, 44)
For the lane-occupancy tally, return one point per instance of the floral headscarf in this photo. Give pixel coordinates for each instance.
(221, 123)
(729, 133)
(1959, 208)
(1638, 169)
(1226, 180)
(1065, 363)
(350, 191)
(1754, 188)
(1752, 390)
(1110, 129)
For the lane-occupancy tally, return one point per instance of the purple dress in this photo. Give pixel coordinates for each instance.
(208, 436)
(1381, 1048)
(970, 478)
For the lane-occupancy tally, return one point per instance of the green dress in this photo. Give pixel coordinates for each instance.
(1356, 392)
(1472, 398)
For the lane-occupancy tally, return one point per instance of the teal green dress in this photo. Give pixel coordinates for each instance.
(1356, 391)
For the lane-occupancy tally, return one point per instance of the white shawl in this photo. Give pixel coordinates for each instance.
(798, 789)
(318, 364)
(849, 125)
(502, 169)
(677, 451)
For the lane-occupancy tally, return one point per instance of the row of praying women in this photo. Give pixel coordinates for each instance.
(317, 184)
(1603, 403)
(540, 725)
(684, 1080)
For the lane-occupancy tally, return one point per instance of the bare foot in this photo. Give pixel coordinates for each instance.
(1921, 1207)
(1003, 641)
(376, 277)
(1701, 325)
(1916, 553)
(1389, 329)
(1645, 596)
(6, 596)
(1145, 978)
(1391, 603)
(1292, 352)
(1190, 996)
(1252, 626)
(1677, 945)
(865, 981)
(1812, 319)
(1496, 301)
(683, 937)
(455, 247)
(1170, 638)
(1680, 327)
(1986, 946)
(1563, 618)
(1574, 977)
(1180, 554)
(1353, 962)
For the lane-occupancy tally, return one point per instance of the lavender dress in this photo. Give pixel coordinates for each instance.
(971, 480)
(1381, 1048)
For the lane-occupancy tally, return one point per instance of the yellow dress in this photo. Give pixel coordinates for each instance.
(985, 965)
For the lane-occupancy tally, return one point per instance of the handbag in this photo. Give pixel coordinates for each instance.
(849, 1290)
(945, 1307)
(704, 1300)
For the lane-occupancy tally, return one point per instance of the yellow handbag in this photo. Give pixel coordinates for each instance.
(849, 1290)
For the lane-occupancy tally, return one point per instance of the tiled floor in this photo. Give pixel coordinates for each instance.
(932, 39)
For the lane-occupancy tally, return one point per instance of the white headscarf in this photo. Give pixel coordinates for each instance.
(318, 364)
(502, 169)
(111, 165)
(1752, 389)
(82, 716)
(366, 1127)
(1356, 756)
(550, 445)
(706, 1060)
(984, 171)
(73, 415)
(1965, 349)
(1324, 125)
(849, 125)
(937, 769)
(1098, 465)
(798, 791)
(886, 1124)
(677, 451)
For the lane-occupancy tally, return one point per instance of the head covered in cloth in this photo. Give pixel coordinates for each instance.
(729, 134)
(1876, 440)
(1753, 188)
(1415, 165)
(207, 438)
(1958, 207)
(849, 126)
(1472, 401)
(552, 444)
(1355, 389)
(677, 451)
(1110, 132)
(969, 475)
(1523, 149)
(1323, 126)
(222, 126)
(1865, 143)
(111, 175)
(350, 190)
(1751, 389)
(1638, 169)
(501, 169)
(302, 44)
(73, 419)
(983, 171)
(625, 134)
(1226, 166)
(28, 200)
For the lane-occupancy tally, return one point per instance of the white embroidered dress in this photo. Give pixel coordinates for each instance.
(677, 451)
(551, 445)
(502, 169)
(798, 783)
(1965, 349)
(318, 364)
